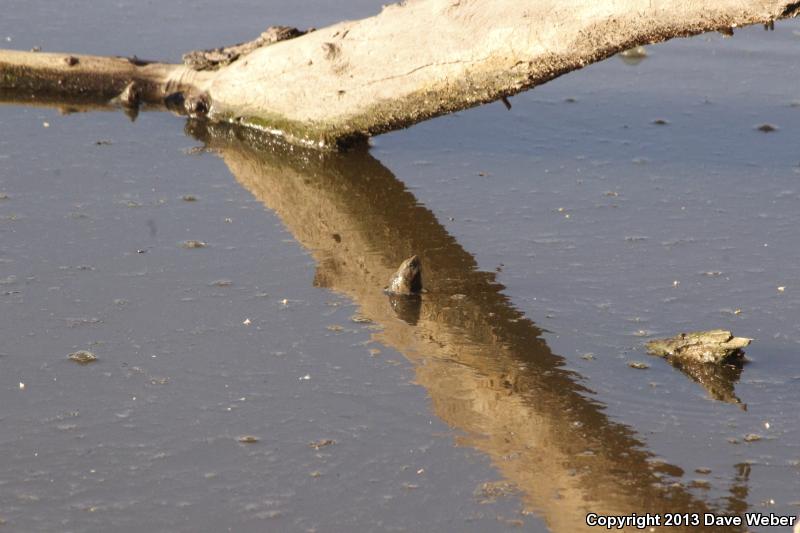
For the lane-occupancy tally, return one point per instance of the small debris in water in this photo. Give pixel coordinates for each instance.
(21, 386)
(188, 198)
(360, 319)
(638, 365)
(304, 378)
(193, 244)
(103, 142)
(335, 328)
(45, 124)
(248, 439)
(222, 283)
(752, 437)
(633, 56)
(83, 357)
(3, 196)
(588, 356)
(489, 492)
(781, 289)
(715, 346)
(660, 122)
(703, 470)
(374, 352)
(767, 128)
(247, 322)
(321, 443)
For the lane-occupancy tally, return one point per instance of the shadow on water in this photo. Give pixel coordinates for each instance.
(485, 366)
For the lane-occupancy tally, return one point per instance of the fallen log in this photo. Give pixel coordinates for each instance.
(416, 60)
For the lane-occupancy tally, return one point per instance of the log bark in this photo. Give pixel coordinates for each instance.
(416, 60)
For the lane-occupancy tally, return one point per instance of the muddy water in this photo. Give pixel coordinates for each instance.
(573, 225)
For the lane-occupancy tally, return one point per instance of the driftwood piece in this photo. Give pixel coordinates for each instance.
(716, 346)
(414, 61)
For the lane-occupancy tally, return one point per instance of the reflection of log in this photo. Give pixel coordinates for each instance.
(416, 60)
(487, 370)
(719, 380)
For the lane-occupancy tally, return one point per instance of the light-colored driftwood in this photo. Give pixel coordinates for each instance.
(415, 60)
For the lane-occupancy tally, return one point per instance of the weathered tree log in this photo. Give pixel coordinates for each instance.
(416, 60)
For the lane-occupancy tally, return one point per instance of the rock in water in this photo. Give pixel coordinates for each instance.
(408, 278)
(716, 346)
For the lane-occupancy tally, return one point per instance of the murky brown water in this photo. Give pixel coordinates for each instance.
(576, 224)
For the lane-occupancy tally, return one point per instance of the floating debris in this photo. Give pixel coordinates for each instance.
(222, 283)
(634, 56)
(752, 437)
(638, 365)
(247, 322)
(82, 357)
(715, 346)
(188, 198)
(193, 244)
(767, 128)
(321, 443)
(361, 319)
(248, 439)
(490, 491)
(661, 122)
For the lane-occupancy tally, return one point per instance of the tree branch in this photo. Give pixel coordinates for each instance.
(414, 61)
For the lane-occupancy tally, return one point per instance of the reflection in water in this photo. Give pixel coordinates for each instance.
(486, 368)
(718, 380)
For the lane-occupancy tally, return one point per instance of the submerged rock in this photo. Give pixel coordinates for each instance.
(715, 346)
(408, 278)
